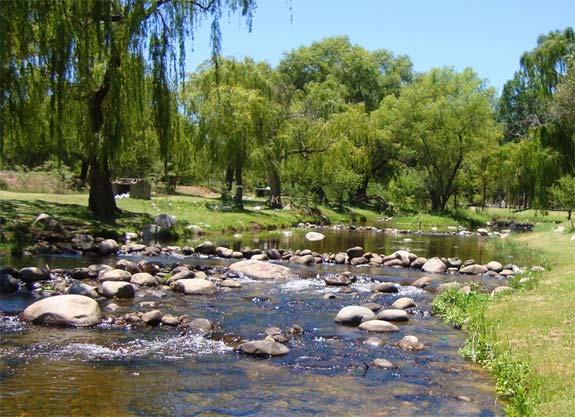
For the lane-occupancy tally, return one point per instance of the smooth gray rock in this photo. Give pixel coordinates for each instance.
(260, 270)
(448, 285)
(108, 247)
(381, 363)
(64, 310)
(337, 280)
(474, 269)
(114, 275)
(410, 343)
(494, 266)
(378, 326)
(355, 252)
(206, 248)
(116, 289)
(126, 265)
(434, 266)
(224, 252)
(143, 279)
(422, 282)
(340, 258)
(385, 287)
(393, 314)
(33, 274)
(403, 303)
(354, 315)
(266, 348)
(152, 318)
(81, 288)
(196, 286)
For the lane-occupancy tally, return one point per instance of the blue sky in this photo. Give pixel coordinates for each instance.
(487, 35)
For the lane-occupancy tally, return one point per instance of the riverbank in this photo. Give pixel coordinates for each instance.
(537, 326)
(526, 339)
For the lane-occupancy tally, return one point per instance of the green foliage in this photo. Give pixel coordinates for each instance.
(563, 194)
(511, 251)
(514, 381)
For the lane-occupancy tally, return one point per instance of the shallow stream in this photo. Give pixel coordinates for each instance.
(103, 371)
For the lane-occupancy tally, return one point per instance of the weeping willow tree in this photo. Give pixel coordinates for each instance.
(98, 52)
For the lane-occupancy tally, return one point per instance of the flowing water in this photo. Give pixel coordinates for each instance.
(105, 371)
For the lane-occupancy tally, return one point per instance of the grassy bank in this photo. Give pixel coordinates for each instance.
(526, 339)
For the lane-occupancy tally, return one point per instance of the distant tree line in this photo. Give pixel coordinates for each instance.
(99, 88)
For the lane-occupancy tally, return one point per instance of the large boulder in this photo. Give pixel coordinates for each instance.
(354, 315)
(378, 326)
(260, 270)
(264, 348)
(108, 247)
(64, 310)
(116, 289)
(434, 266)
(195, 286)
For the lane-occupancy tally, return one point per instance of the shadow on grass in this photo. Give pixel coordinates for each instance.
(15, 213)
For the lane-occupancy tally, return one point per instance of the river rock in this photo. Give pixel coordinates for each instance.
(538, 268)
(403, 303)
(422, 282)
(358, 261)
(149, 267)
(81, 288)
(474, 269)
(418, 262)
(381, 363)
(354, 315)
(266, 348)
(80, 273)
(224, 252)
(494, 266)
(454, 262)
(206, 248)
(202, 324)
(305, 260)
(337, 280)
(314, 236)
(33, 274)
(355, 252)
(378, 326)
(143, 279)
(393, 314)
(126, 265)
(116, 289)
(482, 232)
(114, 275)
(385, 287)
(48, 222)
(8, 284)
(260, 270)
(178, 274)
(170, 320)
(372, 306)
(230, 283)
(340, 258)
(374, 341)
(434, 266)
(108, 247)
(152, 318)
(411, 343)
(195, 286)
(65, 310)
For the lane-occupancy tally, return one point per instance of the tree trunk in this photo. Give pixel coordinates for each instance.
(84, 172)
(101, 200)
(238, 198)
(275, 189)
(361, 192)
(229, 178)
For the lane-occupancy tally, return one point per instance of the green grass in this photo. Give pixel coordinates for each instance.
(537, 327)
